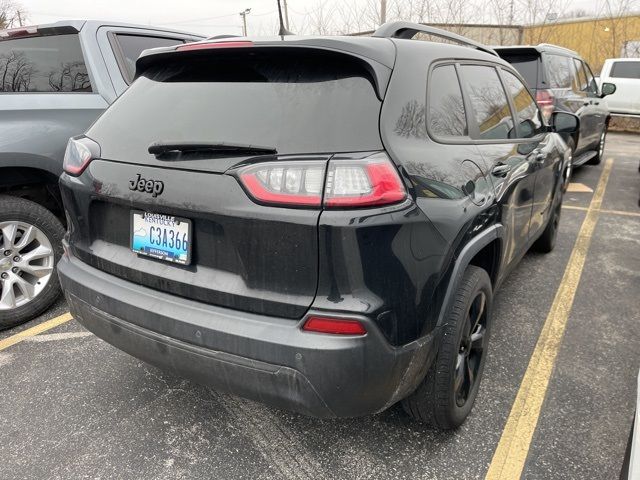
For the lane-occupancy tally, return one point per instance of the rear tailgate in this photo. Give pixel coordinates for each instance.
(306, 104)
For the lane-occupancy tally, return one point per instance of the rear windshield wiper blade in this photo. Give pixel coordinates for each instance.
(161, 148)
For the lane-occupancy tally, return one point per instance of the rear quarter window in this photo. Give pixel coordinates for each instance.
(626, 70)
(131, 46)
(43, 64)
(560, 71)
(447, 117)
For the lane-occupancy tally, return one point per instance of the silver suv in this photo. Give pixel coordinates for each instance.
(55, 80)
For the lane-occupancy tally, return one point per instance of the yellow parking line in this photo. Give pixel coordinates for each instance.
(605, 211)
(621, 212)
(30, 332)
(513, 448)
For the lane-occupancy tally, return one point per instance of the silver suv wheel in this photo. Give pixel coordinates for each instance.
(26, 263)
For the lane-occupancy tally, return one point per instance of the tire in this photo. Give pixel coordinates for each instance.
(438, 400)
(601, 144)
(28, 262)
(547, 241)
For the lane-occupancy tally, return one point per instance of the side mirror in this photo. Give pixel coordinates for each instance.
(607, 89)
(564, 122)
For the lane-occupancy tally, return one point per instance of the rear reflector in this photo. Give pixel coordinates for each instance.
(213, 45)
(371, 181)
(334, 326)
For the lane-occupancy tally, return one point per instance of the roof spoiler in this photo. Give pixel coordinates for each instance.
(408, 30)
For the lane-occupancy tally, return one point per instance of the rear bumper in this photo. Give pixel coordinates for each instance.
(266, 359)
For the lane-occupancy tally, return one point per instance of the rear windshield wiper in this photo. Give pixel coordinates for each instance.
(161, 148)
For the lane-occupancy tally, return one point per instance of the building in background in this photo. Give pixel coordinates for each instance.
(595, 39)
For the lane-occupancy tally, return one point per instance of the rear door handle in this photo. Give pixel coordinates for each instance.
(501, 169)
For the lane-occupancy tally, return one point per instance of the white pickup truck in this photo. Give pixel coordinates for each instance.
(625, 74)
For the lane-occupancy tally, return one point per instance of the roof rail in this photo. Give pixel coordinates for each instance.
(408, 30)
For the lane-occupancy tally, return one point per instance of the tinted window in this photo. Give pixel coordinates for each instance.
(526, 65)
(592, 86)
(133, 45)
(43, 64)
(489, 101)
(581, 78)
(527, 113)
(446, 108)
(626, 70)
(302, 101)
(560, 71)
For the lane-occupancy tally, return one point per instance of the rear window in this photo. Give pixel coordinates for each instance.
(131, 46)
(43, 64)
(626, 70)
(303, 101)
(526, 64)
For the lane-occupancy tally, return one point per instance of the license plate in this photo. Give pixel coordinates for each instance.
(160, 236)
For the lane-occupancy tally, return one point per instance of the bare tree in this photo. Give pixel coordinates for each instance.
(615, 12)
(12, 14)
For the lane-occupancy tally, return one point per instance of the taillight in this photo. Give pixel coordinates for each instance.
(545, 101)
(285, 183)
(371, 181)
(80, 151)
(366, 182)
(213, 45)
(334, 326)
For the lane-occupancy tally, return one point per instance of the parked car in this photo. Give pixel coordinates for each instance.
(625, 73)
(283, 219)
(54, 82)
(562, 81)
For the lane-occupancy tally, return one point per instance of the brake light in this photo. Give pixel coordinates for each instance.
(361, 183)
(18, 32)
(334, 326)
(545, 101)
(370, 181)
(213, 45)
(80, 151)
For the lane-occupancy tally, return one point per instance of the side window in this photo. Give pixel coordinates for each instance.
(488, 99)
(625, 70)
(131, 46)
(43, 64)
(529, 122)
(446, 109)
(560, 71)
(592, 86)
(581, 77)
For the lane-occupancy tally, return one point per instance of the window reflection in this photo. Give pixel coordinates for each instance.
(489, 101)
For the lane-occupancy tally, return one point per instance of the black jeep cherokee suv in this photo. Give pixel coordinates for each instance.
(314, 223)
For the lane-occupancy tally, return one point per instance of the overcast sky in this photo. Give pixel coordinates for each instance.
(211, 17)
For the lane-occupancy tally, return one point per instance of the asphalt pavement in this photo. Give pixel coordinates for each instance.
(75, 407)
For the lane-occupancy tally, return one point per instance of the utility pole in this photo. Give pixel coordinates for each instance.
(19, 18)
(286, 14)
(383, 11)
(244, 14)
